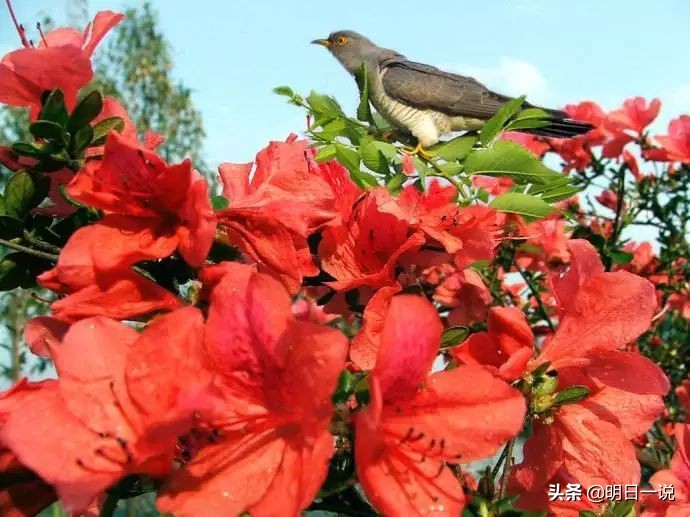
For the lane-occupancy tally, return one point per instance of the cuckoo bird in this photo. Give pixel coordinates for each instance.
(425, 101)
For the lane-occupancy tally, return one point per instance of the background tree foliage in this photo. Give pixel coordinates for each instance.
(134, 66)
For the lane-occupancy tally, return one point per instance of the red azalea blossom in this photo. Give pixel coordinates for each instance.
(505, 349)
(675, 146)
(589, 441)
(467, 296)
(114, 410)
(412, 229)
(636, 114)
(151, 208)
(288, 198)
(407, 432)
(64, 63)
(121, 293)
(269, 422)
(677, 476)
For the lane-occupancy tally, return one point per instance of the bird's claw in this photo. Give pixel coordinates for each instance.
(417, 150)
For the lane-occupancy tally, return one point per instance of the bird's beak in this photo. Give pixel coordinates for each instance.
(323, 42)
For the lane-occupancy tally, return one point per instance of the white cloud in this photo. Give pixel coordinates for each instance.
(511, 76)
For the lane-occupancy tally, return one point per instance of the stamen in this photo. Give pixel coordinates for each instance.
(440, 469)
(418, 437)
(408, 435)
(20, 28)
(43, 36)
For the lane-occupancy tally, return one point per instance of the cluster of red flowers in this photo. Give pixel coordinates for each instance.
(222, 390)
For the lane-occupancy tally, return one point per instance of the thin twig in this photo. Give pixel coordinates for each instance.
(29, 251)
(537, 297)
(507, 466)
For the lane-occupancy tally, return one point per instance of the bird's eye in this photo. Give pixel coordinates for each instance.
(341, 41)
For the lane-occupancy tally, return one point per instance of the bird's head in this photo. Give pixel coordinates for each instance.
(350, 48)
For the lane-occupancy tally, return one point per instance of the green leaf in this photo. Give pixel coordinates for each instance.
(87, 110)
(32, 150)
(332, 129)
(81, 140)
(455, 149)
(348, 157)
(587, 513)
(19, 194)
(49, 131)
(621, 257)
(54, 109)
(624, 509)
(558, 193)
(284, 90)
(219, 202)
(396, 182)
(453, 336)
(493, 126)
(511, 160)
(422, 170)
(450, 168)
(325, 153)
(377, 156)
(324, 107)
(363, 109)
(532, 113)
(571, 395)
(105, 126)
(528, 123)
(522, 204)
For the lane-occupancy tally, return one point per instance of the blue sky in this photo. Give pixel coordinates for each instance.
(232, 53)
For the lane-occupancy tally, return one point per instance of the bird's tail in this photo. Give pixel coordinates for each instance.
(560, 126)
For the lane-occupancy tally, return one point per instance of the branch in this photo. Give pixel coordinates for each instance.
(29, 251)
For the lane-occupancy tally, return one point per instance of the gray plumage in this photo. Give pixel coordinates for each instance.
(424, 100)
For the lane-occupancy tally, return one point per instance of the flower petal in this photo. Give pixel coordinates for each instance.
(409, 343)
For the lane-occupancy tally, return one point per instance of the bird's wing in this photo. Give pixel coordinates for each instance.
(427, 87)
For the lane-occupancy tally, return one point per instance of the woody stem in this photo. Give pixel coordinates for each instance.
(507, 465)
(29, 251)
(537, 297)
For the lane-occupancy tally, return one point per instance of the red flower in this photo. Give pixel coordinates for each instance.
(365, 345)
(546, 246)
(609, 199)
(589, 440)
(494, 186)
(416, 422)
(286, 184)
(675, 145)
(367, 248)
(116, 408)
(413, 229)
(65, 63)
(676, 476)
(151, 208)
(505, 349)
(408, 167)
(466, 294)
(288, 198)
(118, 294)
(269, 424)
(636, 114)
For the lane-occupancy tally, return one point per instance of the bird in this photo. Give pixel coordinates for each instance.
(425, 101)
